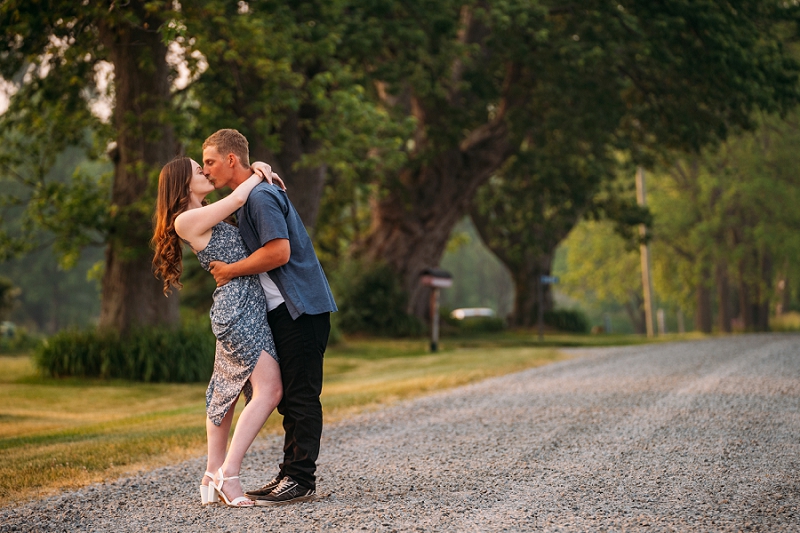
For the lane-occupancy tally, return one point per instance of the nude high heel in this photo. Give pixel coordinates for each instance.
(207, 494)
(241, 501)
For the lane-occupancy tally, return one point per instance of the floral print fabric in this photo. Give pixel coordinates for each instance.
(239, 322)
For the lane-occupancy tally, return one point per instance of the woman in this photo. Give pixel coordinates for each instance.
(245, 359)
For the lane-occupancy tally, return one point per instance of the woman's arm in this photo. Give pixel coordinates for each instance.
(190, 224)
(259, 167)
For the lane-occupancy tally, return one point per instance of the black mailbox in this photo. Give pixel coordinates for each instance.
(436, 277)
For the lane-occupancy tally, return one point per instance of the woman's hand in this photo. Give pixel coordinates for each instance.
(265, 171)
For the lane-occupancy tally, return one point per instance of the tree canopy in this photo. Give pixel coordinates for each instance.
(404, 109)
(477, 78)
(724, 240)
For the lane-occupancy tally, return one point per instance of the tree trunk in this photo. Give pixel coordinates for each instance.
(784, 292)
(55, 299)
(526, 291)
(703, 320)
(131, 295)
(765, 292)
(634, 307)
(723, 297)
(746, 307)
(411, 238)
(304, 186)
(412, 223)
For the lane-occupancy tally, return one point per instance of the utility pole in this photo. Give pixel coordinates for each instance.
(644, 252)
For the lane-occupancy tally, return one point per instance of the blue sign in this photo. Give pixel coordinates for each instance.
(548, 280)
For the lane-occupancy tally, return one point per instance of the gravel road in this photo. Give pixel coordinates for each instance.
(688, 436)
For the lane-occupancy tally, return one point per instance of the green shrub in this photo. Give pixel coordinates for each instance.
(335, 336)
(482, 324)
(571, 320)
(178, 355)
(785, 322)
(21, 341)
(371, 301)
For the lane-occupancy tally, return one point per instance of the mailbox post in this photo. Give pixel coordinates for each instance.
(543, 280)
(436, 279)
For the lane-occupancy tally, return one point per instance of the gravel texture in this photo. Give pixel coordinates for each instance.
(689, 436)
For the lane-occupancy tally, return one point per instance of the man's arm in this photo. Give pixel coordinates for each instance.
(273, 254)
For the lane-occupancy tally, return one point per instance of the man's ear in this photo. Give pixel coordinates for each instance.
(231, 160)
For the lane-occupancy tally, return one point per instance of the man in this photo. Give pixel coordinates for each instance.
(299, 303)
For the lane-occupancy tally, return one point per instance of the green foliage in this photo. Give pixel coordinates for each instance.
(274, 70)
(54, 192)
(335, 336)
(151, 355)
(8, 297)
(53, 297)
(20, 341)
(479, 278)
(48, 129)
(371, 301)
(557, 85)
(723, 220)
(340, 85)
(786, 322)
(599, 263)
(569, 320)
(730, 213)
(55, 53)
(481, 324)
(601, 270)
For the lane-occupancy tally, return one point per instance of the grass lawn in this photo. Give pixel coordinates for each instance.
(59, 434)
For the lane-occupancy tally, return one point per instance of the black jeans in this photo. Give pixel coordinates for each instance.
(301, 346)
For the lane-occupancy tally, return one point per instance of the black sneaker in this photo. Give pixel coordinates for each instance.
(257, 494)
(287, 491)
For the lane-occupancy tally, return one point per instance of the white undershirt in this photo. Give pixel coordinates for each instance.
(274, 297)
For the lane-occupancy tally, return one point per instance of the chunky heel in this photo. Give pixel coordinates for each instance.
(207, 494)
(241, 501)
(212, 494)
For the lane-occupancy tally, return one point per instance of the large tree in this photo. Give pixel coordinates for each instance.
(274, 71)
(726, 222)
(525, 210)
(52, 50)
(723, 234)
(469, 72)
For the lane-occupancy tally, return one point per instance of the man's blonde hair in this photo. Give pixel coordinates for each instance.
(230, 141)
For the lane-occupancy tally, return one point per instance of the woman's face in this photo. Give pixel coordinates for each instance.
(199, 184)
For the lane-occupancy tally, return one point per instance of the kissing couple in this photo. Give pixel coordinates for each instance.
(270, 316)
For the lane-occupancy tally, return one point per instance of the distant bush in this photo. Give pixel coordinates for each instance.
(786, 322)
(570, 320)
(335, 336)
(18, 342)
(372, 301)
(178, 355)
(482, 324)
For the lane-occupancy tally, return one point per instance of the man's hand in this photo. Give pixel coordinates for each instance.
(221, 272)
(273, 254)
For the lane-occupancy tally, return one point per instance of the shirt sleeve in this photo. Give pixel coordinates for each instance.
(267, 215)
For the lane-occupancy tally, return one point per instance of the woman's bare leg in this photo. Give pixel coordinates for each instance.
(267, 392)
(217, 437)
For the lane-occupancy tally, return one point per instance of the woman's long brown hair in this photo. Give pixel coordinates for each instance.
(173, 198)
